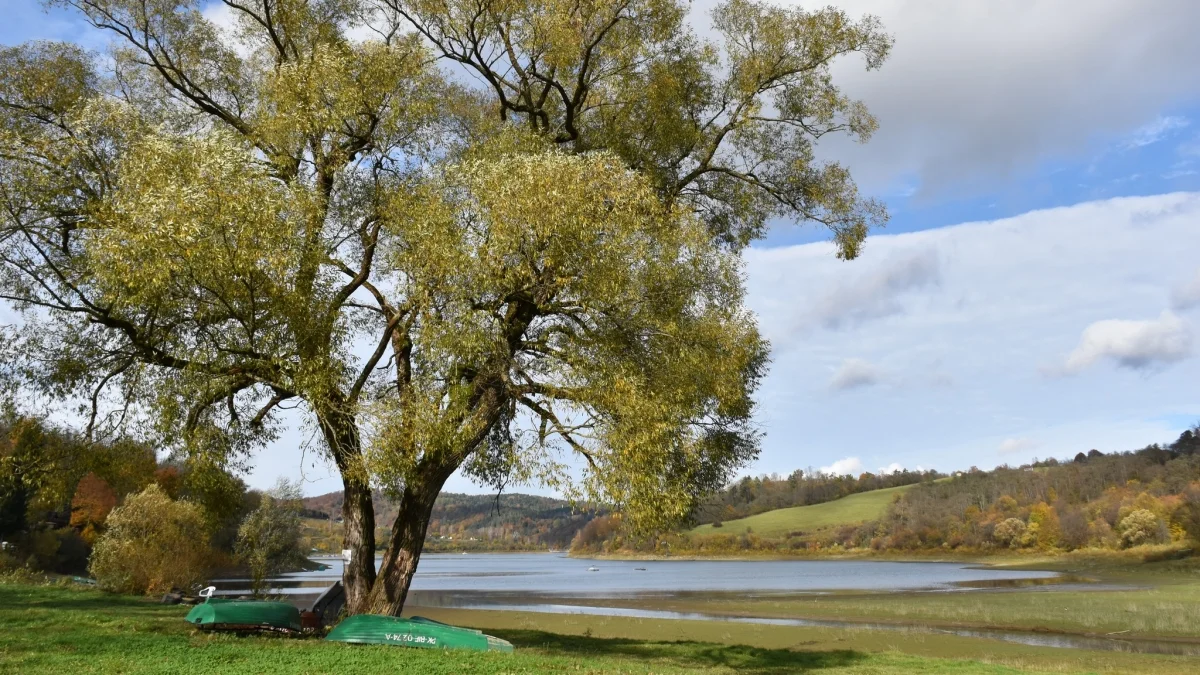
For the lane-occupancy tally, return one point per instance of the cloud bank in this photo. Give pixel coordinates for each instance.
(850, 466)
(875, 293)
(975, 91)
(1082, 287)
(1187, 295)
(854, 373)
(1010, 446)
(1132, 344)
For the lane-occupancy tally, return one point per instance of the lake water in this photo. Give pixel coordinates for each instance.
(555, 573)
(554, 583)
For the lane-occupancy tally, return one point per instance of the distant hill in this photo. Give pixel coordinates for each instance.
(1147, 500)
(854, 509)
(476, 522)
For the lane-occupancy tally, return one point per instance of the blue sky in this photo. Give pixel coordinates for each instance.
(1162, 155)
(1036, 292)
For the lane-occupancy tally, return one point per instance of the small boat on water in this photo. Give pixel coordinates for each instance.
(639, 569)
(593, 568)
(416, 631)
(243, 615)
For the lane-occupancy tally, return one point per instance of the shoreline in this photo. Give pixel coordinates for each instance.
(1128, 559)
(960, 629)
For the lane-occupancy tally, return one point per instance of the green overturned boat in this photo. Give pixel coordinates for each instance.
(416, 631)
(244, 615)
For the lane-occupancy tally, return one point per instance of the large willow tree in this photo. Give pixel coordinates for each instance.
(485, 235)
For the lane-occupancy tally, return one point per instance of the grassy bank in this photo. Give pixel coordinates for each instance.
(852, 509)
(49, 629)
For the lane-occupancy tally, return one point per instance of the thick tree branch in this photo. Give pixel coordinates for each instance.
(548, 415)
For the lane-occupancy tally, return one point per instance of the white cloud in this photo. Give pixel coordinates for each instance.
(854, 373)
(1012, 294)
(1155, 131)
(222, 16)
(1187, 295)
(1132, 344)
(1011, 446)
(874, 293)
(850, 466)
(894, 467)
(975, 91)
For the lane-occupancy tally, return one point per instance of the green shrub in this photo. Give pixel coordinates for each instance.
(1010, 532)
(268, 541)
(152, 544)
(1141, 527)
(41, 549)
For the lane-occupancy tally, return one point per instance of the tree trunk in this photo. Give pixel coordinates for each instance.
(358, 515)
(358, 509)
(404, 546)
(368, 592)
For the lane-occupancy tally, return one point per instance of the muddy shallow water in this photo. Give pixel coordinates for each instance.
(554, 583)
(576, 605)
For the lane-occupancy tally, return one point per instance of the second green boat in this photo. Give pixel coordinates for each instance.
(414, 631)
(245, 615)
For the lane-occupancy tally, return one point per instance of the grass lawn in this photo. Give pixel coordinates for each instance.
(853, 509)
(51, 629)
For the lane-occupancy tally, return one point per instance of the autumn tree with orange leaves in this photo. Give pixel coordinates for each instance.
(90, 506)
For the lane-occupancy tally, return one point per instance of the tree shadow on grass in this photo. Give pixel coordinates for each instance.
(686, 654)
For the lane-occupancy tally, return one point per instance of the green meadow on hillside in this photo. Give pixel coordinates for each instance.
(850, 510)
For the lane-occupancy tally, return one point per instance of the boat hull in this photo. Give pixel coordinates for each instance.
(414, 631)
(245, 615)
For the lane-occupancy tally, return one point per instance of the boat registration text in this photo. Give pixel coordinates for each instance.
(409, 637)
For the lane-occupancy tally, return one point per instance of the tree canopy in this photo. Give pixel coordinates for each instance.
(307, 210)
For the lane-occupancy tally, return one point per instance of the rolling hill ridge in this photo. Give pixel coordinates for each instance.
(850, 510)
(467, 522)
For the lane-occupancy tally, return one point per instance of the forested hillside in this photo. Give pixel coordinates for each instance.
(1095, 500)
(1098, 501)
(479, 522)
